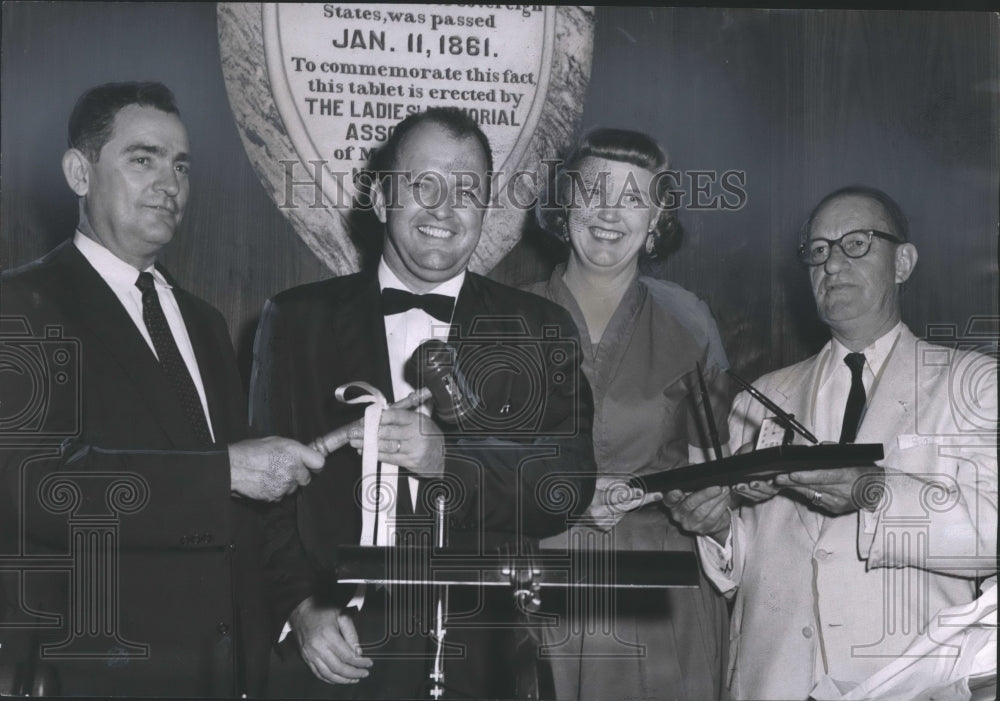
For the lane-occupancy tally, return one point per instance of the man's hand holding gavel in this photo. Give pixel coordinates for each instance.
(338, 438)
(406, 437)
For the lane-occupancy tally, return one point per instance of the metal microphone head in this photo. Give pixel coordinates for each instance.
(434, 366)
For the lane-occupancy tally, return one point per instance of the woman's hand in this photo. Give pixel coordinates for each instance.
(613, 498)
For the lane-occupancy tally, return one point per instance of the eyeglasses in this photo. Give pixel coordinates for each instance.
(854, 244)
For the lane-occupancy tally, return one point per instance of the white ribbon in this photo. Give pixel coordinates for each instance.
(373, 503)
(377, 526)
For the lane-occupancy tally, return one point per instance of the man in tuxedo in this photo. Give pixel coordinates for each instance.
(837, 572)
(505, 467)
(146, 498)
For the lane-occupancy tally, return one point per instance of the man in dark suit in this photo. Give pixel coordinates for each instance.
(143, 513)
(505, 466)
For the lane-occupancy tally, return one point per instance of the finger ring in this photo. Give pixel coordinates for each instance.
(399, 446)
(817, 498)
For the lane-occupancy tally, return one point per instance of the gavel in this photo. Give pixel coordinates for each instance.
(433, 370)
(434, 367)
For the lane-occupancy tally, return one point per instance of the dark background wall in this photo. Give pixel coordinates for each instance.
(801, 102)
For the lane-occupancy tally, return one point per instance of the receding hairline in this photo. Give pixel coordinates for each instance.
(138, 106)
(451, 133)
(879, 206)
(140, 142)
(890, 209)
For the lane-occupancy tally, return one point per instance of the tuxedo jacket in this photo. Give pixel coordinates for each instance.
(108, 474)
(845, 595)
(519, 471)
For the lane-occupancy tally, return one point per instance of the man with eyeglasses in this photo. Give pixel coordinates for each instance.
(836, 573)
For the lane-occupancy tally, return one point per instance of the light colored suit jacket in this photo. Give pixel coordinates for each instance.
(845, 595)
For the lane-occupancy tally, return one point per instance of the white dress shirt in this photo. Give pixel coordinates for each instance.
(121, 278)
(403, 333)
(834, 382)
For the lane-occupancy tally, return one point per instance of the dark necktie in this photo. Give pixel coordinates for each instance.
(855, 399)
(170, 358)
(398, 301)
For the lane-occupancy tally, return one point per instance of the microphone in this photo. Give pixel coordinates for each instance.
(434, 366)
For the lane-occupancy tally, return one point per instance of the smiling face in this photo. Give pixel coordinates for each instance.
(858, 298)
(433, 216)
(134, 195)
(611, 214)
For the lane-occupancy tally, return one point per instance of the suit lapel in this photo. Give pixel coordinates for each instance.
(210, 359)
(89, 300)
(893, 400)
(796, 395)
(467, 306)
(357, 323)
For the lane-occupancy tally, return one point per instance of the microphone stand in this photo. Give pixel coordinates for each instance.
(441, 604)
(433, 368)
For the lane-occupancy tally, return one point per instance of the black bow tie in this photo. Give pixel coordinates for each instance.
(398, 301)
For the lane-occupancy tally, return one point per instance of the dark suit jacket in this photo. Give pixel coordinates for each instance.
(187, 552)
(511, 473)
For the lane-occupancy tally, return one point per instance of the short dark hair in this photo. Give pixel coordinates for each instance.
(93, 117)
(624, 146)
(456, 122)
(892, 209)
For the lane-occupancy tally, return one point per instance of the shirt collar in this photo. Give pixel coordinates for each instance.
(387, 278)
(875, 354)
(110, 267)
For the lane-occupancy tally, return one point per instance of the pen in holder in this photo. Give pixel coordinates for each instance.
(713, 430)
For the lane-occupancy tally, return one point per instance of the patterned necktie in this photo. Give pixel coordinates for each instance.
(398, 301)
(855, 399)
(170, 358)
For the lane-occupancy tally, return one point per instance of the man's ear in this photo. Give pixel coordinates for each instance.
(906, 261)
(378, 199)
(76, 170)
